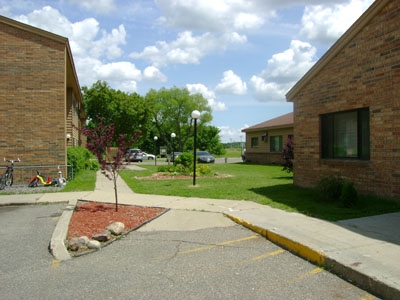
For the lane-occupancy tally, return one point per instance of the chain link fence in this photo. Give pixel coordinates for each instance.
(24, 174)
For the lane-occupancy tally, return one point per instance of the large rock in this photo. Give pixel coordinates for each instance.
(102, 237)
(93, 244)
(73, 244)
(83, 240)
(116, 228)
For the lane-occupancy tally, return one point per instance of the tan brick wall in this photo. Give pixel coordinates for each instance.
(33, 97)
(262, 153)
(366, 73)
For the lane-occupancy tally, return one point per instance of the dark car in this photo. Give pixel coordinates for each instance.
(176, 154)
(134, 155)
(204, 157)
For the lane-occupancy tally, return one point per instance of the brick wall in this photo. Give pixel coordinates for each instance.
(262, 154)
(33, 97)
(366, 73)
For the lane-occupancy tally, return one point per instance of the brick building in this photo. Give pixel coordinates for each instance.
(265, 141)
(40, 97)
(347, 107)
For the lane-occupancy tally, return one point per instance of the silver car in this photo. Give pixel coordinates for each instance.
(204, 157)
(134, 155)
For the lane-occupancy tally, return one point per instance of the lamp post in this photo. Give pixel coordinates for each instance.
(155, 150)
(173, 135)
(195, 116)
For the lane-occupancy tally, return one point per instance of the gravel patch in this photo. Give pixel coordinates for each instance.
(24, 189)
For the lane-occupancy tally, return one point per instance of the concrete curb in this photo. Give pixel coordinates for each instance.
(348, 273)
(57, 243)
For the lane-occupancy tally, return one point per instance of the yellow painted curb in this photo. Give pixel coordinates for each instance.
(295, 247)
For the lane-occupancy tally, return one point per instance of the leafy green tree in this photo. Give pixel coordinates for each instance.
(128, 112)
(171, 113)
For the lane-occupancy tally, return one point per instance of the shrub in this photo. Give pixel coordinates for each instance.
(185, 159)
(81, 158)
(203, 169)
(349, 195)
(329, 188)
(336, 189)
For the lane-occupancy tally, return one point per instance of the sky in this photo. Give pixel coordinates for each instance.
(243, 56)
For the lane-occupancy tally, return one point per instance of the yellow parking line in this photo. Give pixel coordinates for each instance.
(368, 297)
(208, 247)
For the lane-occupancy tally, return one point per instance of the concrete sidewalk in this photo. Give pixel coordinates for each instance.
(365, 251)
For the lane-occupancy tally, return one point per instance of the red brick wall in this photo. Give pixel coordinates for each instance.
(32, 97)
(366, 73)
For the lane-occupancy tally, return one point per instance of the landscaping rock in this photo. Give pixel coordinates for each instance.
(73, 244)
(93, 244)
(116, 228)
(102, 237)
(84, 240)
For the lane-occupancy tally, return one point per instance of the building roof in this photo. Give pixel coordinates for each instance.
(278, 122)
(358, 25)
(71, 75)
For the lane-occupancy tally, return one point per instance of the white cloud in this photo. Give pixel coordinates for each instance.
(231, 84)
(215, 16)
(152, 73)
(120, 75)
(99, 6)
(187, 49)
(199, 88)
(228, 134)
(282, 72)
(327, 23)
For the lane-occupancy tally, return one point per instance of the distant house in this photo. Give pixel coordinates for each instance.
(40, 96)
(265, 141)
(347, 107)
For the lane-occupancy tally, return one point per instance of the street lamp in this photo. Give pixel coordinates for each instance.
(195, 116)
(155, 138)
(173, 135)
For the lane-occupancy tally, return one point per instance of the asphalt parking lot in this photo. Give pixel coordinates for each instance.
(224, 261)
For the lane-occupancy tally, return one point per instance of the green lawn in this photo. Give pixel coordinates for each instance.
(84, 181)
(267, 185)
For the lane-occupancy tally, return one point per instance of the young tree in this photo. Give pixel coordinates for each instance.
(100, 138)
(288, 155)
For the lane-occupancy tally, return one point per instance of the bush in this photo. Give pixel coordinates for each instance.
(329, 188)
(203, 169)
(336, 189)
(81, 159)
(349, 196)
(185, 159)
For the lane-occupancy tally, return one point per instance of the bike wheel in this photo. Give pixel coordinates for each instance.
(2, 182)
(10, 180)
(34, 182)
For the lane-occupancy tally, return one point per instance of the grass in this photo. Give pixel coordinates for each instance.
(267, 185)
(83, 181)
(231, 153)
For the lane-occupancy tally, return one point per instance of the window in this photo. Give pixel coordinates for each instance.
(254, 142)
(275, 143)
(345, 134)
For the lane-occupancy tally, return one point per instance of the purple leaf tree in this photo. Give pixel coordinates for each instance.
(99, 139)
(288, 155)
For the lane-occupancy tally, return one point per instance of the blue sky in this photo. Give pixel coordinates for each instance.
(242, 55)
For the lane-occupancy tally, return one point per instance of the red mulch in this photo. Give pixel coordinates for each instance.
(90, 218)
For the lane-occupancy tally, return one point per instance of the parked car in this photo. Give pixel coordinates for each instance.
(176, 154)
(148, 156)
(204, 157)
(135, 155)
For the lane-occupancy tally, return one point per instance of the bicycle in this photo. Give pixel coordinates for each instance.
(8, 177)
